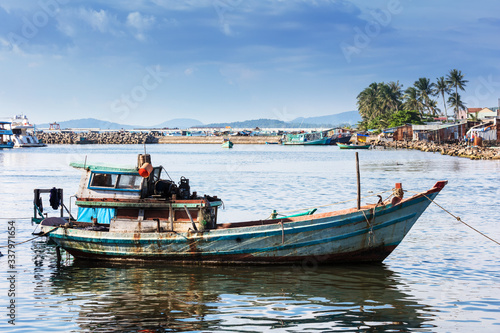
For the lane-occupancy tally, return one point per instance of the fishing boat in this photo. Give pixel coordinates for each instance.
(24, 133)
(353, 146)
(314, 138)
(6, 135)
(340, 138)
(133, 214)
(227, 144)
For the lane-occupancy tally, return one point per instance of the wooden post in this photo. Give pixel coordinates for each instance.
(58, 256)
(358, 181)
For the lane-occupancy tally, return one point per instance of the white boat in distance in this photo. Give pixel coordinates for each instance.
(23, 133)
(5, 135)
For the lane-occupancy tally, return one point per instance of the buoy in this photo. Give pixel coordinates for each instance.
(146, 170)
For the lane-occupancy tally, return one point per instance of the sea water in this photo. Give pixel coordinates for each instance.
(444, 276)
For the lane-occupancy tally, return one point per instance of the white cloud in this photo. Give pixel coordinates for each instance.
(69, 21)
(140, 23)
(98, 20)
(189, 71)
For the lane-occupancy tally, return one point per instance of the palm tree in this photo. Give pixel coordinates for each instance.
(442, 87)
(433, 107)
(456, 102)
(456, 80)
(424, 91)
(411, 101)
(367, 101)
(395, 94)
(378, 102)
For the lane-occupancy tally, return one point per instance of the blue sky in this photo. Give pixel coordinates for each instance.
(145, 62)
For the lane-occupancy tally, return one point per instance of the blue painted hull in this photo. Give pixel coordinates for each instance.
(7, 145)
(344, 236)
(319, 142)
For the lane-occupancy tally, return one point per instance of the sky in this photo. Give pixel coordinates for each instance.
(145, 62)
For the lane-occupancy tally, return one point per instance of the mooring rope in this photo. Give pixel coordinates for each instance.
(29, 240)
(458, 218)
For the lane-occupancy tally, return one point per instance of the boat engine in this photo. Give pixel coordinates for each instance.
(184, 188)
(165, 188)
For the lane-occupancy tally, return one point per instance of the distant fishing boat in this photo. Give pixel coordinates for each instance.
(353, 146)
(227, 144)
(85, 141)
(314, 138)
(6, 135)
(24, 133)
(133, 214)
(340, 138)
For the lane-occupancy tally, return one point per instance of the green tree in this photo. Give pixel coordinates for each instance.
(367, 101)
(395, 94)
(455, 101)
(433, 108)
(377, 102)
(411, 101)
(402, 117)
(456, 80)
(442, 87)
(425, 89)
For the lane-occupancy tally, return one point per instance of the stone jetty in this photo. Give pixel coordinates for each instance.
(460, 150)
(237, 140)
(119, 137)
(126, 137)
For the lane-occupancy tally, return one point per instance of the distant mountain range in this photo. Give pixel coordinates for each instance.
(334, 120)
(96, 123)
(349, 118)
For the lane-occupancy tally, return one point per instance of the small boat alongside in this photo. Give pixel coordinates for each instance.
(227, 144)
(340, 138)
(133, 214)
(24, 133)
(314, 138)
(6, 135)
(353, 146)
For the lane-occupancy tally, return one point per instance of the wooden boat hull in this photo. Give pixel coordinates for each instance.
(366, 235)
(227, 144)
(319, 142)
(343, 139)
(343, 146)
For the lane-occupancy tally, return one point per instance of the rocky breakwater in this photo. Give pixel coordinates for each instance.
(472, 152)
(121, 137)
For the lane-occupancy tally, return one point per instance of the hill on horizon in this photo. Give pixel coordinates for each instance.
(343, 118)
(102, 124)
(340, 119)
(334, 120)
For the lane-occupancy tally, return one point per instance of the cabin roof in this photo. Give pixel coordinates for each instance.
(103, 167)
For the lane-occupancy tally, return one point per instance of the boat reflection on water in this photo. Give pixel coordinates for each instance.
(155, 298)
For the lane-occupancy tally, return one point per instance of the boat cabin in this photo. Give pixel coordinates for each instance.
(6, 135)
(138, 200)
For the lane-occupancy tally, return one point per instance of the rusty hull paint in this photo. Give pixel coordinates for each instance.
(321, 238)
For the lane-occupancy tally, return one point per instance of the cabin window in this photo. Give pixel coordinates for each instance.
(103, 180)
(129, 182)
(115, 181)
